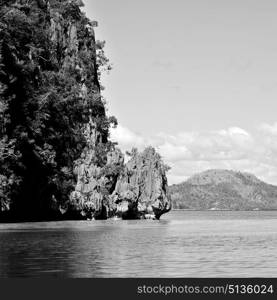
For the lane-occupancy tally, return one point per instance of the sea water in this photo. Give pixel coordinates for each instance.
(181, 244)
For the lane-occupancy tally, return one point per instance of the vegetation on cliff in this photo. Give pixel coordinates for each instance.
(49, 91)
(223, 189)
(56, 159)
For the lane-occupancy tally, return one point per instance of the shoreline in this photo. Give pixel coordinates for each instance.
(188, 209)
(112, 220)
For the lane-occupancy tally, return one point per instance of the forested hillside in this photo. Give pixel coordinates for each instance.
(224, 189)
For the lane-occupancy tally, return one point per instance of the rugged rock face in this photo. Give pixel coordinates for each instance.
(49, 98)
(136, 190)
(141, 190)
(92, 195)
(56, 160)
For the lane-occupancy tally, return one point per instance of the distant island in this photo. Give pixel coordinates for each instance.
(224, 190)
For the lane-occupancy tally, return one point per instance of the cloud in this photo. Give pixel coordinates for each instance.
(269, 129)
(190, 152)
(162, 65)
(127, 138)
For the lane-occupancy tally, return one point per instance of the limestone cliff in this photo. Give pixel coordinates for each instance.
(56, 160)
(135, 190)
(50, 104)
(141, 190)
(92, 195)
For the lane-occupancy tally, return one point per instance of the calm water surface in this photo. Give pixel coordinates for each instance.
(181, 244)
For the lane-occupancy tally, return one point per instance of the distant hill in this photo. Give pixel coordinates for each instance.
(224, 189)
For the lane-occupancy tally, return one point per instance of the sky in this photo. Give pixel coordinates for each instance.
(196, 79)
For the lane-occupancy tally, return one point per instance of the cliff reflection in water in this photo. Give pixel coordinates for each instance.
(91, 249)
(183, 244)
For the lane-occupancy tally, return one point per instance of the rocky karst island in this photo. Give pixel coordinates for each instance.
(56, 159)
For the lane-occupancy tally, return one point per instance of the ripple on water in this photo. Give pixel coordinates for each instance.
(181, 244)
